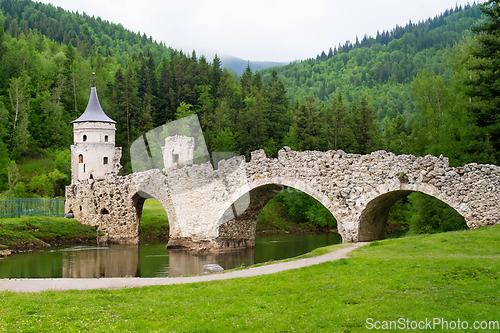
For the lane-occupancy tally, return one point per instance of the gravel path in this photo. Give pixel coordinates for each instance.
(38, 285)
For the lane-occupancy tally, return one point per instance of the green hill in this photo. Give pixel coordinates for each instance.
(87, 34)
(384, 66)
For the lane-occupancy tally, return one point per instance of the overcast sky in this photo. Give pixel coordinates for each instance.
(259, 30)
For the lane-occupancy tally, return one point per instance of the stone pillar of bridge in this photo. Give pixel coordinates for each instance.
(199, 196)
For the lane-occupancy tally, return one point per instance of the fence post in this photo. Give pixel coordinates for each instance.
(18, 207)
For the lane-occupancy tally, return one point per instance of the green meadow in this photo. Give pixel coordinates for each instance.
(451, 276)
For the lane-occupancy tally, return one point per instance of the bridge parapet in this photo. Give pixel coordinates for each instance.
(217, 209)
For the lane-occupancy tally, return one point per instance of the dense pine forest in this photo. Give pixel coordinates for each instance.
(426, 88)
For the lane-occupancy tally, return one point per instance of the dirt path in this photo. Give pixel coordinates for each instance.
(38, 285)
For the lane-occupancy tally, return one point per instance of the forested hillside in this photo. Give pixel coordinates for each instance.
(413, 79)
(87, 34)
(45, 85)
(425, 88)
(382, 65)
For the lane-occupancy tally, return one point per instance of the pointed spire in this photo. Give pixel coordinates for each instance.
(94, 112)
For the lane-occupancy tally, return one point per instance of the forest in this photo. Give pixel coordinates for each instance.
(426, 88)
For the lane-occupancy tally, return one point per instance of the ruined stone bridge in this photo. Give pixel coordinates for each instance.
(218, 209)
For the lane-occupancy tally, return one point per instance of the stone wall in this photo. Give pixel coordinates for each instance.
(360, 189)
(213, 210)
(114, 205)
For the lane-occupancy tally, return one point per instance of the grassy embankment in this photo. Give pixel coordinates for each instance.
(39, 231)
(453, 276)
(154, 221)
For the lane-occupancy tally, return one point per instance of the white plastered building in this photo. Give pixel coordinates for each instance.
(93, 154)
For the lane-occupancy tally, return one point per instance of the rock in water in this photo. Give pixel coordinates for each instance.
(212, 268)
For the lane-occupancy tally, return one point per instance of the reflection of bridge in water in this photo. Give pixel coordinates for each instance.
(125, 261)
(116, 261)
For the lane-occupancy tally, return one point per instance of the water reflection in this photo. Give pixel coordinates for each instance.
(151, 260)
(182, 263)
(91, 262)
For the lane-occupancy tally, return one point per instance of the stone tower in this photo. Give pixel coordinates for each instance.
(178, 151)
(93, 154)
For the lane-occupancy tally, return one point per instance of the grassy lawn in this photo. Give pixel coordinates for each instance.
(40, 231)
(154, 221)
(453, 276)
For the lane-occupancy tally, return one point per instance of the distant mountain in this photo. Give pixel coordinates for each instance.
(239, 65)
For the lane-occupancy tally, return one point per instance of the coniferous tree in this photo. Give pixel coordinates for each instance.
(341, 128)
(276, 109)
(216, 74)
(484, 81)
(366, 134)
(246, 81)
(306, 125)
(164, 111)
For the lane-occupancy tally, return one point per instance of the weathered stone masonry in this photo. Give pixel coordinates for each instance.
(358, 190)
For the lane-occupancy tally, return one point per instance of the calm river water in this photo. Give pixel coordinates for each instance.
(150, 260)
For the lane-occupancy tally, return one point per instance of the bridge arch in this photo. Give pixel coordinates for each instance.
(237, 224)
(138, 200)
(374, 217)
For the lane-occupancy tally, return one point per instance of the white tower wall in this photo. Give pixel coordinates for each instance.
(93, 154)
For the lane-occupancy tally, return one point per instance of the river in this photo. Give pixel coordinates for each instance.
(151, 259)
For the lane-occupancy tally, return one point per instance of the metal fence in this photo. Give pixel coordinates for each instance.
(31, 207)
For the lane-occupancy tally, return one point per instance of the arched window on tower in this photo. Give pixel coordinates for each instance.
(105, 138)
(84, 137)
(105, 160)
(80, 158)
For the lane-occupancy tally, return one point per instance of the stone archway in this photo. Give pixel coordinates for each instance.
(238, 230)
(139, 200)
(356, 189)
(374, 218)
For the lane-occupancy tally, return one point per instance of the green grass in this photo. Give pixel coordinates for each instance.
(40, 231)
(453, 276)
(154, 221)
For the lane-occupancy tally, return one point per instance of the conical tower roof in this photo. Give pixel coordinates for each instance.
(94, 112)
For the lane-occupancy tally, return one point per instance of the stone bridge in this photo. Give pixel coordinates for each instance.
(211, 210)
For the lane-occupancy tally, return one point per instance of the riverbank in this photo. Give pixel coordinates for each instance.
(154, 222)
(34, 232)
(329, 253)
(454, 275)
(20, 234)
